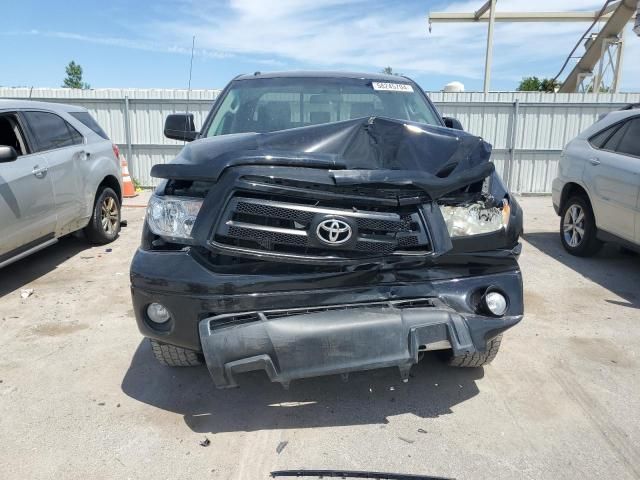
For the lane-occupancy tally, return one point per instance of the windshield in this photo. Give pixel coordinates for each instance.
(271, 104)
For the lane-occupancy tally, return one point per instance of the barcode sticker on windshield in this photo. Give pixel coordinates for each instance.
(392, 87)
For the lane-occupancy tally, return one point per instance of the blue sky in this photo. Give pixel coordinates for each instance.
(147, 44)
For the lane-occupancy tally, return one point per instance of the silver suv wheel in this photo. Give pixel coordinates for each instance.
(109, 215)
(578, 231)
(104, 225)
(573, 225)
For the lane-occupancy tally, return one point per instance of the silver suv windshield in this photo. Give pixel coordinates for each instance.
(271, 104)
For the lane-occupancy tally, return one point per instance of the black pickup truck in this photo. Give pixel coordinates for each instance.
(322, 223)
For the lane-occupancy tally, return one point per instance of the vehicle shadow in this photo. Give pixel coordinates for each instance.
(22, 272)
(367, 398)
(613, 269)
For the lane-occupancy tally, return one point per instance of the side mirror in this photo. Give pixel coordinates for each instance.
(180, 126)
(7, 154)
(451, 122)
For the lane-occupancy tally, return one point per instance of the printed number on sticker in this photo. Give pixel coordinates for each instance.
(393, 87)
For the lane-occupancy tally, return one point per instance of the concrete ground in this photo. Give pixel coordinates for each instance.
(81, 396)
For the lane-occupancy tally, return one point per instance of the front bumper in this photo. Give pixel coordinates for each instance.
(309, 342)
(326, 322)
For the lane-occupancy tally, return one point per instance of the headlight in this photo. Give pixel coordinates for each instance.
(475, 218)
(172, 216)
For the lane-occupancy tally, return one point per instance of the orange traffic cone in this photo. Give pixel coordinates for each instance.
(129, 187)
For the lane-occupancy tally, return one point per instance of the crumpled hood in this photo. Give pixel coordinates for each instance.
(373, 150)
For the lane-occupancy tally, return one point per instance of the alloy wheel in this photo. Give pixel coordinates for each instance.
(573, 225)
(109, 215)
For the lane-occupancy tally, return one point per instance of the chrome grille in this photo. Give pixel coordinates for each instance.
(289, 226)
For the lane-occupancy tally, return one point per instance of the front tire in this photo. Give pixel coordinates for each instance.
(104, 225)
(477, 359)
(578, 227)
(172, 356)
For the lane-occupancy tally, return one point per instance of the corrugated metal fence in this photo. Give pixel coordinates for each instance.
(527, 130)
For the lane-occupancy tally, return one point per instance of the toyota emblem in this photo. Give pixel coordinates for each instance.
(333, 231)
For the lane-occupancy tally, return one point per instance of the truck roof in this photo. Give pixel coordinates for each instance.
(323, 74)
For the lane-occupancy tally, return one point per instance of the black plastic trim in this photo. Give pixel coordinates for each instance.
(352, 474)
(338, 339)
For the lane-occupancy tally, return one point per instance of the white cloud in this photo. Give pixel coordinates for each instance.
(136, 44)
(366, 35)
(370, 36)
(329, 33)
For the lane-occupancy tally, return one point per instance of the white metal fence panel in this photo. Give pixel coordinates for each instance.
(527, 129)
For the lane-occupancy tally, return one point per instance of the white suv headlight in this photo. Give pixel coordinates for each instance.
(475, 218)
(172, 216)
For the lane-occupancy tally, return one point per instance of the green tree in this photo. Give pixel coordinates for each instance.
(74, 77)
(535, 84)
(529, 84)
(389, 71)
(603, 89)
(549, 85)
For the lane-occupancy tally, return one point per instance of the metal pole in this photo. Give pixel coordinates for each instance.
(512, 144)
(618, 67)
(127, 131)
(528, 17)
(489, 54)
(186, 118)
(598, 80)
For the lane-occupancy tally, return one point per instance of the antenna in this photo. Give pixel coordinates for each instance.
(186, 118)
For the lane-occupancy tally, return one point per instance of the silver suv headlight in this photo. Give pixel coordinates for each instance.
(173, 217)
(475, 218)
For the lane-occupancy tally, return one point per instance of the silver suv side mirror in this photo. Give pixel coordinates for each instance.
(7, 154)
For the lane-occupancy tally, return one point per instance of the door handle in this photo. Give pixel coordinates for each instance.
(84, 155)
(594, 161)
(39, 172)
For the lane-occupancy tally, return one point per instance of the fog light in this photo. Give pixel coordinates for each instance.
(495, 303)
(158, 313)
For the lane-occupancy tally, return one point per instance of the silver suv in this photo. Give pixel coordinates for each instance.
(597, 191)
(59, 173)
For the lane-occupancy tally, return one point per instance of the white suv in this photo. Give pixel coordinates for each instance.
(597, 191)
(59, 173)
